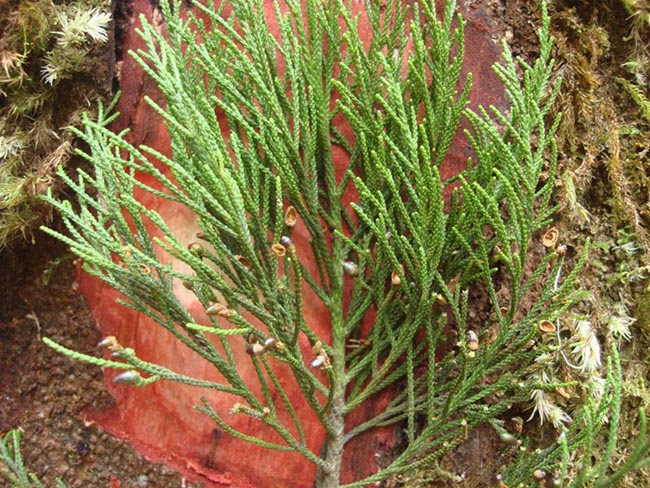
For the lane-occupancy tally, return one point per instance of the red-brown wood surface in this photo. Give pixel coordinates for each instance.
(159, 419)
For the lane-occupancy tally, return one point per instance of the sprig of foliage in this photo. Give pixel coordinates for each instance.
(639, 97)
(411, 248)
(12, 468)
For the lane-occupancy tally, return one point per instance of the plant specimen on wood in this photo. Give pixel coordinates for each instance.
(254, 120)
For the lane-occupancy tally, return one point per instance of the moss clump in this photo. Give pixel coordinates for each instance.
(603, 57)
(49, 72)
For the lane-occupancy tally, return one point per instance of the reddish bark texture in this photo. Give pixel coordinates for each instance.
(159, 419)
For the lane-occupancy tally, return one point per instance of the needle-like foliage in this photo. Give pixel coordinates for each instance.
(407, 252)
(12, 468)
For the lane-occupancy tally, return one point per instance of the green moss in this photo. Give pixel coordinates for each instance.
(604, 61)
(643, 313)
(48, 69)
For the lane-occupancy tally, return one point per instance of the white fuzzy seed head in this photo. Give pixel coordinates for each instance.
(586, 348)
(619, 323)
(544, 407)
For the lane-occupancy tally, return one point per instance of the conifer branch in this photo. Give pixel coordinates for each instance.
(410, 253)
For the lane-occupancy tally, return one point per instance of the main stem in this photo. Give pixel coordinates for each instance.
(329, 475)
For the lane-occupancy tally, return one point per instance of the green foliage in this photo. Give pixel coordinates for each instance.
(411, 248)
(45, 60)
(639, 97)
(12, 468)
